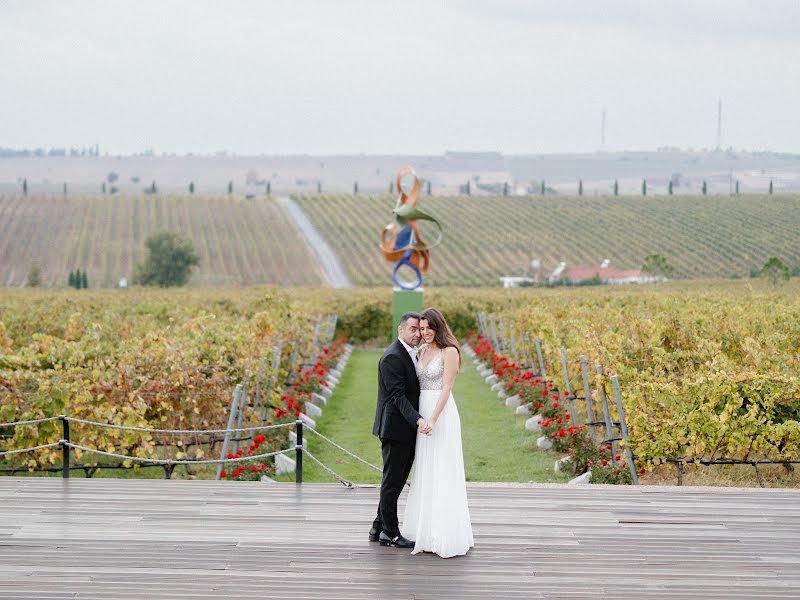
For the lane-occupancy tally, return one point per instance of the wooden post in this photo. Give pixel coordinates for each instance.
(243, 397)
(494, 332)
(538, 343)
(623, 427)
(570, 399)
(606, 415)
(587, 392)
(231, 420)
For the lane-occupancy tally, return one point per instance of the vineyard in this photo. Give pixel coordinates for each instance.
(707, 372)
(485, 238)
(710, 376)
(239, 242)
(144, 360)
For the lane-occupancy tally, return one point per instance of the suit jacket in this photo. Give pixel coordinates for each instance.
(397, 412)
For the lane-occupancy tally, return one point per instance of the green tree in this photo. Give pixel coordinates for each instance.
(770, 187)
(84, 280)
(269, 188)
(355, 188)
(616, 187)
(705, 188)
(669, 188)
(77, 280)
(737, 187)
(644, 187)
(191, 187)
(169, 261)
(775, 270)
(103, 187)
(543, 188)
(230, 187)
(580, 187)
(24, 187)
(656, 264)
(429, 188)
(71, 279)
(35, 275)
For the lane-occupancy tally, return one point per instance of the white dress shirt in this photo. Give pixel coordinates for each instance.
(412, 352)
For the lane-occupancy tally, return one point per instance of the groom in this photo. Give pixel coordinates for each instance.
(396, 421)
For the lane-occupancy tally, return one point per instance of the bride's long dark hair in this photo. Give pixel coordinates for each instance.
(443, 336)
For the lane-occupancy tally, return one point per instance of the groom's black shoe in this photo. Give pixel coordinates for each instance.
(374, 533)
(399, 541)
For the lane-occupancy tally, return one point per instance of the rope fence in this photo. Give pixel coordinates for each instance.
(66, 445)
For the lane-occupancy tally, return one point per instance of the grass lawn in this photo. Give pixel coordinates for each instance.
(496, 445)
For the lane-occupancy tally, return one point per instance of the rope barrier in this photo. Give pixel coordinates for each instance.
(158, 461)
(42, 447)
(331, 472)
(358, 458)
(31, 422)
(180, 431)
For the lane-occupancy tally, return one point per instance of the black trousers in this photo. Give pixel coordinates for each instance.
(397, 461)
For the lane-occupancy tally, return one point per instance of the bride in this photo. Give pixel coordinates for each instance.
(437, 514)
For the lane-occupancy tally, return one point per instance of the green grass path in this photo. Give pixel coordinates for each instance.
(496, 445)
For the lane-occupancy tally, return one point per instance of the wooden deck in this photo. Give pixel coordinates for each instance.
(123, 539)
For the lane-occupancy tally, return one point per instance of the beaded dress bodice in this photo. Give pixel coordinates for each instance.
(431, 376)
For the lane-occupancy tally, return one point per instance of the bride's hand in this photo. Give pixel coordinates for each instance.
(431, 425)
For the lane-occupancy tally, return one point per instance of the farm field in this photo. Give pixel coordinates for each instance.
(703, 365)
(487, 237)
(239, 241)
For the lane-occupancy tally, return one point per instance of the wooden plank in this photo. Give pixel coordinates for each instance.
(126, 539)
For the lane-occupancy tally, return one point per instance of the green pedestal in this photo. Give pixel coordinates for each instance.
(404, 301)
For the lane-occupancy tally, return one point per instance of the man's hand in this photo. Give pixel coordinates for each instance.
(423, 426)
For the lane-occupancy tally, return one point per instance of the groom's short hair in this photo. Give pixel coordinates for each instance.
(407, 316)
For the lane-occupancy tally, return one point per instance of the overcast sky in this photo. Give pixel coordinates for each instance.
(341, 76)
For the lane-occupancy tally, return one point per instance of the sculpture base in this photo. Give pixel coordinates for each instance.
(404, 301)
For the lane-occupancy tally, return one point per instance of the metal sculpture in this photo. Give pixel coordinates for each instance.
(401, 241)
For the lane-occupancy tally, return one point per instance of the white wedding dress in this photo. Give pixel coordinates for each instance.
(436, 513)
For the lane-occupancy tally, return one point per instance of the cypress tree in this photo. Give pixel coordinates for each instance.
(77, 282)
(616, 187)
(669, 188)
(737, 187)
(705, 188)
(71, 279)
(191, 187)
(770, 187)
(230, 187)
(269, 188)
(24, 187)
(505, 189)
(355, 188)
(469, 191)
(429, 189)
(391, 187)
(153, 188)
(84, 280)
(103, 187)
(543, 188)
(644, 187)
(580, 187)
(65, 188)
(319, 187)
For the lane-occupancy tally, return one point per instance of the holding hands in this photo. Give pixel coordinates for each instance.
(424, 427)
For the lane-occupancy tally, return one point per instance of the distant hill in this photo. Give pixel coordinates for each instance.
(486, 237)
(244, 242)
(240, 242)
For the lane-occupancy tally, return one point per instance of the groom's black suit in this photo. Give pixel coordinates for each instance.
(396, 417)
